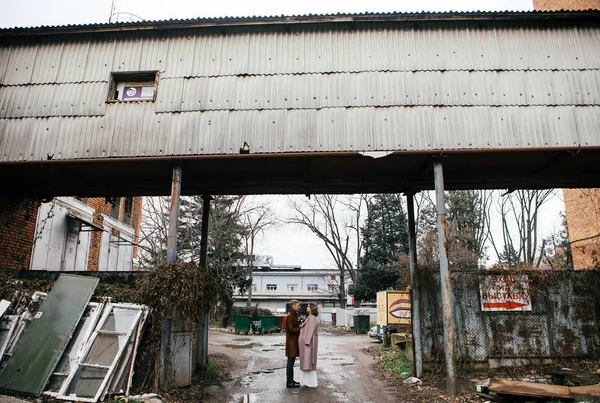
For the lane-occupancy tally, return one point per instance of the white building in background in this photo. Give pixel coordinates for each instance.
(273, 286)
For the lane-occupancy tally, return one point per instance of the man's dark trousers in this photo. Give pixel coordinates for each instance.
(290, 369)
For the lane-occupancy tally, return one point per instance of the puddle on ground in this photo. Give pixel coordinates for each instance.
(242, 339)
(249, 345)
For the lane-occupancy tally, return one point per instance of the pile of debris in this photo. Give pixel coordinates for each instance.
(65, 346)
(502, 390)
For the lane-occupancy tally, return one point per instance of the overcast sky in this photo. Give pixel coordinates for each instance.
(29, 13)
(287, 244)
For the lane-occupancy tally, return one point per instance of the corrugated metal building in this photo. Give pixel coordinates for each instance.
(512, 98)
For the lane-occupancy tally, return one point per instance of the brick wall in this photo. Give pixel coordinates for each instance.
(582, 207)
(17, 232)
(100, 206)
(553, 5)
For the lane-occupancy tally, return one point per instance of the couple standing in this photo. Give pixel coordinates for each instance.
(301, 340)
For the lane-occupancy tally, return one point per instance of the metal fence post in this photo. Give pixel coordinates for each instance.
(414, 286)
(202, 338)
(446, 289)
(165, 340)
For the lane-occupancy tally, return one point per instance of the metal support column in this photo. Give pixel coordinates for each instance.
(165, 342)
(414, 286)
(202, 338)
(446, 290)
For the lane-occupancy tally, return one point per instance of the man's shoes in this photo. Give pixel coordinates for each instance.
(292, 384)
(297, 383)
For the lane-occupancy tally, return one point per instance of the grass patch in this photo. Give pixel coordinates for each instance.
(395, 363)
(212, 370)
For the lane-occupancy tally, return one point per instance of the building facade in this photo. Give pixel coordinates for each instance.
(273, 287)
(70, 234)
(582, 206)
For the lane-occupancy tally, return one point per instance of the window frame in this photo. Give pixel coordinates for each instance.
(271, 287)
(117, 77)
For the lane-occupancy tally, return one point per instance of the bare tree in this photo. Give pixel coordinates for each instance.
(519, 211)
(322, 216)
(153, 232)
(257, 216)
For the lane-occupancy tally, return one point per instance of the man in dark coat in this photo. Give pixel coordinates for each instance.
(292, 331)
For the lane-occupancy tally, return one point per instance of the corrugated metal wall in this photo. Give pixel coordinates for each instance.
(380, 87)
(563, 321)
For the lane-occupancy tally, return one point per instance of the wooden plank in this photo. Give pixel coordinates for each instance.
(528, 389)
(589, 390)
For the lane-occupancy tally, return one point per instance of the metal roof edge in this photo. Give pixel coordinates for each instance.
(175, 24)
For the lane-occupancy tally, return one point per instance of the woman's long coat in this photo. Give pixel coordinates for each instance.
(292, 330)
(309, 344)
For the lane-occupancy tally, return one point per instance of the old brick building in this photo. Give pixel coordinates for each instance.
(555, 5)
(581, 205)
(68, 234)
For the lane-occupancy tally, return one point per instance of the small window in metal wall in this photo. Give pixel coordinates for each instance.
(133, 86)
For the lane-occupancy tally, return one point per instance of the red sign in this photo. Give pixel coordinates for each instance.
(505, 293)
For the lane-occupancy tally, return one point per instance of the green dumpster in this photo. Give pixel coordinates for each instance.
(242, 324)
(267, 323)
(279, 322)
(361, 323)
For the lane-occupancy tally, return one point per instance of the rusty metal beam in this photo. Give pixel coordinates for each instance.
(446, 290)
(414, 287)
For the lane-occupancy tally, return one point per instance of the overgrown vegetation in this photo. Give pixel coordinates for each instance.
(395, 363)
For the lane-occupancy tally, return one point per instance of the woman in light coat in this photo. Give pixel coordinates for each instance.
(309, 345)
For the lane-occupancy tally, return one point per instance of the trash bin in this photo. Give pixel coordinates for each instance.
(361, 323)
(242, 324)
(279, 322)
(267, 323)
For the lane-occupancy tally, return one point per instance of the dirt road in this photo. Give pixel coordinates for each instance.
(257, 368)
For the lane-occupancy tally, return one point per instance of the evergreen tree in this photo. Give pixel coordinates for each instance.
(385, 238)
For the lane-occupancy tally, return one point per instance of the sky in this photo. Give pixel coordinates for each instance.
(287, 244)
(31, 13)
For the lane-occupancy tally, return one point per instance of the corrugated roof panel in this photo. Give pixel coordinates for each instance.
(154, 54)
(4, 57)
(489, 88)
(169, 95)
(99, 60)
(47, 63)
(221, 54)
(134, 129)
(74, 62)
(83, 99)
(588, 126)
(180, 57)
(128, 53)
(20, 65)
(374, 47)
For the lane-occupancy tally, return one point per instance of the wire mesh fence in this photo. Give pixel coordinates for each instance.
(564, 320)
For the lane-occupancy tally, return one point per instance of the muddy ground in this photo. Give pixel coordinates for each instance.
(253, 370)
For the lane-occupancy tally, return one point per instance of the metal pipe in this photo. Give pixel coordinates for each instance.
(174, 215)
(202, 338)
(446, 290)
(414, 286)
